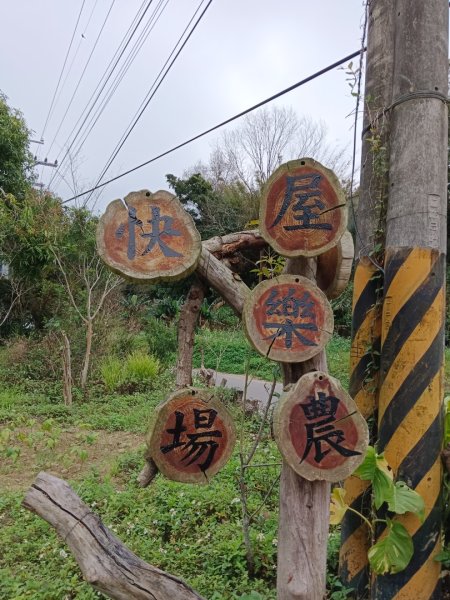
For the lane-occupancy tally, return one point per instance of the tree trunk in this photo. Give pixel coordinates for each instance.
(304, 505)
(87, 354)
(67, 371)
(108, 565)
(186, 332)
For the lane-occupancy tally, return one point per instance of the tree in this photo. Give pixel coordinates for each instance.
(218, 209)
(16, 162)
(250, 153)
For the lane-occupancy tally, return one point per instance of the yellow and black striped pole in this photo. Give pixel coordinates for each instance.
(410, 419)
(364, 364)
(410, 425)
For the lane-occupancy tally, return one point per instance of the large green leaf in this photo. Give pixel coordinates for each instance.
(403, 499)
(338, 506)
(374, 468)
(392, 553)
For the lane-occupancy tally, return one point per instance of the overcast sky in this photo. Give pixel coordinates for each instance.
(241, 52)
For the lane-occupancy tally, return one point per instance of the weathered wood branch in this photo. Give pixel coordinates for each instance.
(105, 562)
(228, 284)
(186, 330)
(226, 245)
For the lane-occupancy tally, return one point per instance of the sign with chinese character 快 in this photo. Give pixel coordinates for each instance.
(288, 318)
(302, 211)
(152, 238)
(192, 436)
(319, 430)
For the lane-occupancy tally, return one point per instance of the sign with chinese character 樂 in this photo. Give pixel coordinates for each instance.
(191, 437)
(319, 429)
(302, 211)
(288, 319)
(149, 237)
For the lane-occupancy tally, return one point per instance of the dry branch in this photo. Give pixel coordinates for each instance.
(105, 562)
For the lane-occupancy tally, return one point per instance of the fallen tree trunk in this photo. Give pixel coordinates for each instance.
(105, 562)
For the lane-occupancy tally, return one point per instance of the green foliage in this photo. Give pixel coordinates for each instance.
(270, 265)
(375, 469)
(111, 371)
(392, 553)
(342, 311)
(394, 550)
(140, 368)
(16, 161)
(216, 210)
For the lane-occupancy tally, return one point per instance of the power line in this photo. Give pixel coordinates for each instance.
(122, 72)
(62, 70)
(82, 74)
(223, 123)
(120, 51)
(148, 97)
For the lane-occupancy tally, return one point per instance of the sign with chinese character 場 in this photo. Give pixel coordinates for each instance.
(192, 436)
(288, 318)
(302, 211)
(153, 239)
(319, 430)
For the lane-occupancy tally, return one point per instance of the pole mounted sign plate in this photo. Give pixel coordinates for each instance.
(154, 240)
(302, 210)
(288, 318)
(319, 430)
(191, 437)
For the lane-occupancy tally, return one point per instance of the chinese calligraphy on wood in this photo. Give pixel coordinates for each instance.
(302, 211)
(155, 239)
(319, 430)
(192, 436)
(288, 318)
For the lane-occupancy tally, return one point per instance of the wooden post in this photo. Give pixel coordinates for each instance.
(186, 332)
(411, 392)
(368, 279)
(304, 505)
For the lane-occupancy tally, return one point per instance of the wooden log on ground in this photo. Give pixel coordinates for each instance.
(108, 565)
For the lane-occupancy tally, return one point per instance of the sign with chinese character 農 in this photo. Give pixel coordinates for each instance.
(302, 211)
(319, 429)
(288, 318)
(191, 437)
(149, 237)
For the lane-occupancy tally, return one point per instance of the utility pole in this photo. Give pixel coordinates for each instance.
(368, 279)
(411, 391)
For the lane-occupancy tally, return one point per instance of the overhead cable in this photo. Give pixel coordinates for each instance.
(223, 123)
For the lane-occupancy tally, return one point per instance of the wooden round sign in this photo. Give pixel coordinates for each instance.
(155, 239)
(319, 430)
(288, 318)
(192, 436)
(302, 210)
(334, 267)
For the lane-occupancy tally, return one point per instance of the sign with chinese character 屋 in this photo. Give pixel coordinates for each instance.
(192, 436)
(288, 318)
(319, 430)
(302, 211)
(152, 238)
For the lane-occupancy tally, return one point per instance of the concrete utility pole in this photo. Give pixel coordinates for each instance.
(368, 280)
(412, 340)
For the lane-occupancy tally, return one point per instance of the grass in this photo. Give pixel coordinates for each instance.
(190, 531)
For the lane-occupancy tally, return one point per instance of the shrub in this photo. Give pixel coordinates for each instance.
(161, 339)
(140, 368)
(112, 373)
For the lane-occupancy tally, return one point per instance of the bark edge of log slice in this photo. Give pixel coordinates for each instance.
(263, 335)
(307, 239)
(147, 254)
(167, 429)
(301, 405)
